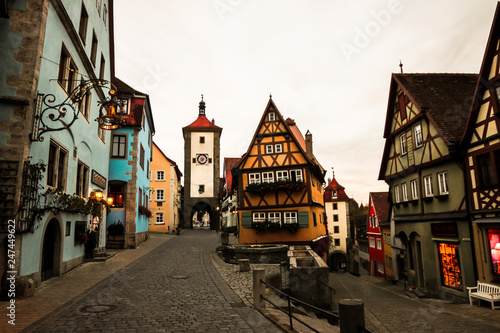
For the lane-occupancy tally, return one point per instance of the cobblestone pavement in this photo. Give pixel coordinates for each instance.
(173, 288)
(388, 309)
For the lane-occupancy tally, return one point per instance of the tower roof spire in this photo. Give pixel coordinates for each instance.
(202, 107)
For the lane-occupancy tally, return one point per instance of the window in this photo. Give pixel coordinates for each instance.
(334, 194)
(404, 191)
(93, 51)
(278, 148)
(160, 195)
(267, 177)
(142, 154)
(140, 196)
(428, 186)
(272, 116)
(259, 217)
(159, 218)
(372, 242)
(443, 183)
(281, 175)
(484, 169)
(202, 139)
(335, 218)
(102, 67)
(336, 241)
(296, 175)
(82, 179)
(68, 228)
(84, 19)
(254, 178)
(494, 255)
(404, 147)
(380, 267)
(68, 72)
(269, 149)
(315, 222)
(57, 166)
(373, 221)
(84, 106)
(118, 149)
(396, 194)
(116, 192)
(379, 244)
(160, 175)
(274, 217)
(417, 133)
(201, 189)
(122, 105)
(290, 217)
(414, 189)
(449, 262)
(335, 206)
(336, 229)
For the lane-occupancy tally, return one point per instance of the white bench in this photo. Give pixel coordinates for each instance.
(485, 291)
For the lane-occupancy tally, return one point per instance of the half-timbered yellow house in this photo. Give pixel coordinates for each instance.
(425, 120)
(481, 144)
(280, 185)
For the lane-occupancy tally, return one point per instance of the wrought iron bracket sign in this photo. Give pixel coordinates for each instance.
(51, 116)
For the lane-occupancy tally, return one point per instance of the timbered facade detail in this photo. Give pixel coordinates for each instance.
(279, 184)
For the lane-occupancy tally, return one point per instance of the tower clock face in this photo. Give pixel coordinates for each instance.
(201, 158)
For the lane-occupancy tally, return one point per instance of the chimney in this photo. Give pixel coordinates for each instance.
(309, 144)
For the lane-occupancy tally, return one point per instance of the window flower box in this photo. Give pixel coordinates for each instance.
(276, 186)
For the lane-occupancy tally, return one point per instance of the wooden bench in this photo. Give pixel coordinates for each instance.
(485, 291)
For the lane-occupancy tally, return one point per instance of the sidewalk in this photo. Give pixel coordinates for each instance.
(58, 290)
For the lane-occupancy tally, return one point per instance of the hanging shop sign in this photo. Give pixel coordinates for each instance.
(98, 179)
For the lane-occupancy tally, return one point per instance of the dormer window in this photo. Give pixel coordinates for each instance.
(272, 116)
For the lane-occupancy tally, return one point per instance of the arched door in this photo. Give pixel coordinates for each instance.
(51, 250)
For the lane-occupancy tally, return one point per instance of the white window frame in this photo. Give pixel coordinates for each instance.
(282, 175)
(274, 217)
(160, 194)
(371, 241)
(254, 178)
(159, 218)
(158, 177)
(404, 146)
(428, 186)
(397, 198)
(271, 116)
(290, 217)
(258, 217)
(269, 149)
(404, 191)
(268, 177)
(414, 189)
(278, 148)
(380, 267)
(379, 244)
(298, 175)
(443, 183)
(417, 134)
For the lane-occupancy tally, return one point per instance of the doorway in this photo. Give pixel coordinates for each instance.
(51, 250)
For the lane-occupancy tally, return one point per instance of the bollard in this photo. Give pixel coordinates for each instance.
(259, 288)
(244, 265)
(351, 315)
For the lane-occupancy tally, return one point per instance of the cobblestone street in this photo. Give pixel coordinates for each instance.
(388, 309)
(174, 288)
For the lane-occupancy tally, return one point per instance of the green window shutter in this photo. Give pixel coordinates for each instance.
(246, 220)
(303, 218)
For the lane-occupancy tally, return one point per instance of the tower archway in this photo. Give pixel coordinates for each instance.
(202, 215)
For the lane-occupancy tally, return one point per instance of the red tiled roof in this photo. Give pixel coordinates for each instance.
(380, 201)
(335, 186)
(202, 122)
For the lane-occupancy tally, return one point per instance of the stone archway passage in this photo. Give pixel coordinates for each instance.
(203, 207)
(50, 250)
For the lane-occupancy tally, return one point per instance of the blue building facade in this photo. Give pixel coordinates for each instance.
(129, 168)
(58, 74)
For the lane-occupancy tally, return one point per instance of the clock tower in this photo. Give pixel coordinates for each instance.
(201, 171)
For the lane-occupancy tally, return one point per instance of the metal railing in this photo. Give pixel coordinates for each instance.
(289, 312)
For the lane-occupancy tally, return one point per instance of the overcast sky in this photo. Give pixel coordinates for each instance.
(327, 64)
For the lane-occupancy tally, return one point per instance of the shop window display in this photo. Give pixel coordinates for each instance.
(449, 260)
(494, 238)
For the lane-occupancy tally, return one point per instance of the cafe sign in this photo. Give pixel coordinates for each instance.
(98, 179)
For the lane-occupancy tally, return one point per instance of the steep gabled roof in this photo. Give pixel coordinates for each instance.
(296, 135)
(176, 168)
(484, 74)
(380, 202)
